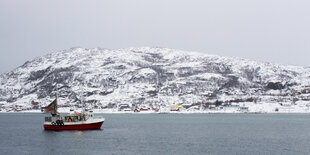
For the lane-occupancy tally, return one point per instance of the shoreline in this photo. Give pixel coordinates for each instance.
(185, 112)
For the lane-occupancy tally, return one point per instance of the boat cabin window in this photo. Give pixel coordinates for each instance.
(48, 119)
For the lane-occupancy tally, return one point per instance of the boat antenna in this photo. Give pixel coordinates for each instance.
(82, 100)
(56, 85)
(56, 92)
(81, 94)
(57, 96)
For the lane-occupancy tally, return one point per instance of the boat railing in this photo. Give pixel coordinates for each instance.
(67, 118)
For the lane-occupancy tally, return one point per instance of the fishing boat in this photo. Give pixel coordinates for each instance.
(75, 121)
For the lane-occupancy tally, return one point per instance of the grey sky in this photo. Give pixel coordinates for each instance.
(266, 30)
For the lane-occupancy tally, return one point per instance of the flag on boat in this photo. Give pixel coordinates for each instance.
(52, 107)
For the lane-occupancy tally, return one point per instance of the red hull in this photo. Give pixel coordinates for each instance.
(92, 126)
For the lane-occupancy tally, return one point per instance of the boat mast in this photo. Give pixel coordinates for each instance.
(82, 99)
(82, 96)
(56, 92)
(56, 95)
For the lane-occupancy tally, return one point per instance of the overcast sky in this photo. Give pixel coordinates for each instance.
(267, 30)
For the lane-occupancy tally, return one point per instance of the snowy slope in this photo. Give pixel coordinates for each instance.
(148, 76)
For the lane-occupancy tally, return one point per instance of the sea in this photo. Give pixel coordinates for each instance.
(231, 134)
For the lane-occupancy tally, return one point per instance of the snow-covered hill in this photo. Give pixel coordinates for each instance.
(150, 76)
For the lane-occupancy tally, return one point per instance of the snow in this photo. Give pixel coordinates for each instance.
(151, 75)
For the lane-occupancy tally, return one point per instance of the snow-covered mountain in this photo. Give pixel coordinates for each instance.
(150, 76)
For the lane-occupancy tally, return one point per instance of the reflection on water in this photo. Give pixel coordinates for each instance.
(79, 132)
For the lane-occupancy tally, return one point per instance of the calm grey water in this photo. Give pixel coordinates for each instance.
(162, 134)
